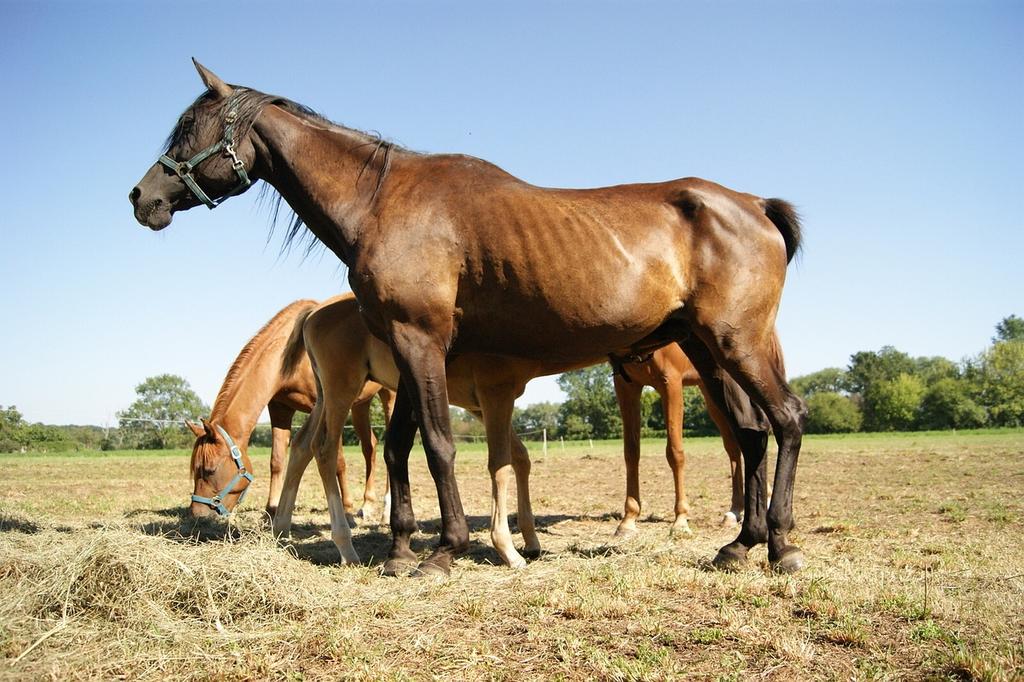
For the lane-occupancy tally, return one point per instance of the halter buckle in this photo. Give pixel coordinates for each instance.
(183, 169)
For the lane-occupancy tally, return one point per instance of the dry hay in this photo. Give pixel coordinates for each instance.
(906, 581)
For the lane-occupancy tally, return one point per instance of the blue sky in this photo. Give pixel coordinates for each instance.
(895, 128)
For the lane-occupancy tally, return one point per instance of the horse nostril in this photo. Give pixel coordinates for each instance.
(134, 195)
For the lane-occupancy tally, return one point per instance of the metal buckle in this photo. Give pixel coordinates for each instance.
(183, 169)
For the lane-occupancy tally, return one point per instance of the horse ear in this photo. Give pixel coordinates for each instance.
(209, 431)
(211, 81)
(194, 428)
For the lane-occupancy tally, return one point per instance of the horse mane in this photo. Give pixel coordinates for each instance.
(248, 104)
(241, 363)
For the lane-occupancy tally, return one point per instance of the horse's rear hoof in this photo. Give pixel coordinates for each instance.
(730, 559)
(531, 554)
(730, 520)
(791, 561)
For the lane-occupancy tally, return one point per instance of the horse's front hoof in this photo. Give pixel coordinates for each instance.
(429, 568)
(730, 559)
(626, 532)
(401, 565)
(791, 561)
(531, 554)
(680, 529)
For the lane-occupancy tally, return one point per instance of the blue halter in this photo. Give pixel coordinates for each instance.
(184, 169)
(216, 502)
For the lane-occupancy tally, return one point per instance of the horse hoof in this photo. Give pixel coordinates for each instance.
(729, 520)
(729, 561)
(626, 533)
(350, 560)
(531, 554)
(428, 569)
(395, 568)
(791, 561)
(680, 531)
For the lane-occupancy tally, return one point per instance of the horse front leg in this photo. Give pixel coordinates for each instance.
(628, 396)
(401, 431)
(420, 356)
(281, 431)
(368, 443)
(672, 401)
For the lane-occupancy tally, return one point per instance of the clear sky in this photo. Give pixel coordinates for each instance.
(896, 128)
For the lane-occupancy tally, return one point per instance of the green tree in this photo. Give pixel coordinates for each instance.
(831, 412)
(533, 419)
(828, 380)
(931, 370)
(892, 404)
(947, 404)
(590, 400)
(998, 378)
(696, 420)
(1009, 329)
(869, 367)
(156, 419)
(12, 429)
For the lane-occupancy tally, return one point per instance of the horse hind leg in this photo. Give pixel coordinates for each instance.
(732, 448)
(755, 365)
(497, 403)
(524, 514)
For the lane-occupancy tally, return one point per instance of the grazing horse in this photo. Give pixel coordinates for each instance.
(449, 254)
(268, 373)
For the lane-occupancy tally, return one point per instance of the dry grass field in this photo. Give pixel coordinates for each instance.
(916, 570)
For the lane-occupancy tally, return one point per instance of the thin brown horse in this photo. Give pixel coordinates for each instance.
(450, 255)
(269, 373)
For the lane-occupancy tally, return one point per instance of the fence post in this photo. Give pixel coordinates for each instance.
(545, 442)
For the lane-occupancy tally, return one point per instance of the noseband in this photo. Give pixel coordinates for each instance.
(184, 168)
(216, 502)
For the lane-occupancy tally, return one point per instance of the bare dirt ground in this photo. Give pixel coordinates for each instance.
(913, 543)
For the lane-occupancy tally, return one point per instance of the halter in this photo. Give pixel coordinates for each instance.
(184, 168)
(216, 502)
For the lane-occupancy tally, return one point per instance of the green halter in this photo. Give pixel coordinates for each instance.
(217, 501)
(184, 168)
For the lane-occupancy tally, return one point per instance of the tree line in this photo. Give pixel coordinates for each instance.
(883, 390)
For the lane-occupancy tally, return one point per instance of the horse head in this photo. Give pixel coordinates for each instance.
(220, 471)
(209, 155)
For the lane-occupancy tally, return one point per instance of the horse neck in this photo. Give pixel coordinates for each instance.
(328, 174)
(251, 382)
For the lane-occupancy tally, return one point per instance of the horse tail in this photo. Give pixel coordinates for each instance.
(784, 216)
(295, 347)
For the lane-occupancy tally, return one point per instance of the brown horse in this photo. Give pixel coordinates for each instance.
(267, 373)
(345, 354)
(450, 255)
(668, 370)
